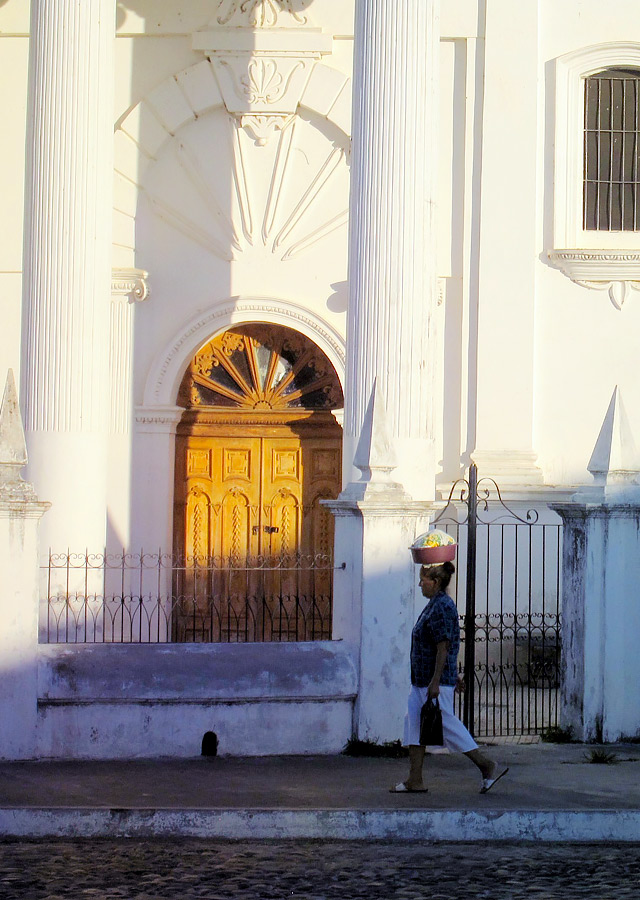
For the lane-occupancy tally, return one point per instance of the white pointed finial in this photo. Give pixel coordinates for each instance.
(615, 461)
(615, 450)
(375, 454)
(13, 448)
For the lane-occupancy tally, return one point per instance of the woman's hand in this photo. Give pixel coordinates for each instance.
(433, 690)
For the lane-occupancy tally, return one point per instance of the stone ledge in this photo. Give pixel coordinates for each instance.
(349, 824)
(198, 673)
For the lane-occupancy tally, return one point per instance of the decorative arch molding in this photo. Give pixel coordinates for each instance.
(587, 61)
(169, 365)
(191, 94)
(182, 99)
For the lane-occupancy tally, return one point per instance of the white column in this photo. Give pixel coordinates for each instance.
(65, 382)
(392, 268)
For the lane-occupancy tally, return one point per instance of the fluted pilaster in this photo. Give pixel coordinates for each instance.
(393, 283)
(67, 270)
(127, 290)
(125, 294)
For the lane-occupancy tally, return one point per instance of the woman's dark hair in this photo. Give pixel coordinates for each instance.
(442, 573)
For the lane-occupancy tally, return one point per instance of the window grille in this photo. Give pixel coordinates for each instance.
(612, 151)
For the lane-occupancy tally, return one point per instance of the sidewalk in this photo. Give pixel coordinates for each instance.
(550, 793)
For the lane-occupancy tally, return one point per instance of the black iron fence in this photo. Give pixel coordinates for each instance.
(157, 598)
(508, 591)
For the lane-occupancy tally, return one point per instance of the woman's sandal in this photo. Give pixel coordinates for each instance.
(488, 783)
(401, 788)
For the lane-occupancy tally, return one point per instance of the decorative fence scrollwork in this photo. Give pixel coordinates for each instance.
(157, 598)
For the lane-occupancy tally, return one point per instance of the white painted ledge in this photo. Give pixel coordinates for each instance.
(615, 271)
(340, 824)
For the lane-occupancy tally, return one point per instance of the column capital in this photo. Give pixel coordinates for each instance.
(132, 284)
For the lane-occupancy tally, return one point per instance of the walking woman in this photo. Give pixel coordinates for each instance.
(435, 642)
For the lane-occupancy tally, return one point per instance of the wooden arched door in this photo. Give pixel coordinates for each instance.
(256, 451)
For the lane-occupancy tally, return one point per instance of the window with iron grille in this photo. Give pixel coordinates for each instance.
(611, 195)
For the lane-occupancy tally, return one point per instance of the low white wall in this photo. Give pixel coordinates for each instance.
(111, 700)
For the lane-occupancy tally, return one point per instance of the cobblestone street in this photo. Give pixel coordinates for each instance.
(308, 870)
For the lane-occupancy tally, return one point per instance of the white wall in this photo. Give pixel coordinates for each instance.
(584, 346)
(109, 701)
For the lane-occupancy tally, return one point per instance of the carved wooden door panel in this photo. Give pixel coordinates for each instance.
(222, 496)
(216, 520)
(322, 459)
(244, 497)
(282, 525)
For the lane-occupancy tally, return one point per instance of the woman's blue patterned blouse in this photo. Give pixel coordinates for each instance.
(437, 622)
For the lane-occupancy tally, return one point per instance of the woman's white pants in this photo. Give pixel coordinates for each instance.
(456, 736)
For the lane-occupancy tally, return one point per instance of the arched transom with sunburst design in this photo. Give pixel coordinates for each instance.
(260, 367)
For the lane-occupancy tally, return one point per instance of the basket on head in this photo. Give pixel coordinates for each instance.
(429, 555)
(433, 547)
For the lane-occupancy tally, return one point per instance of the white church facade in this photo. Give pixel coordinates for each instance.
(274, 273)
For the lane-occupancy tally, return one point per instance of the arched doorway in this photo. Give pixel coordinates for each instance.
(256, 450)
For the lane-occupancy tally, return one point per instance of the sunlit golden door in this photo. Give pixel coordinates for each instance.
(256, 451)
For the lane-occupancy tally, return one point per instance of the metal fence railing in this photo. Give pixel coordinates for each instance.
(508, 592)
(517, 627)
(158, 598)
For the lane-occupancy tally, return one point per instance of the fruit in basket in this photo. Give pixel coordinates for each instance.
(433, 547)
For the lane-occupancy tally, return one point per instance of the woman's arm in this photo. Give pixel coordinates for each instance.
(442, 648)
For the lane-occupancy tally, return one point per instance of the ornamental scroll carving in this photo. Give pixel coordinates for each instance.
(262, 90)
(262, 93)
(261, 127)
(262, 52)
(260, 13)
(131, 283)
(263, 82)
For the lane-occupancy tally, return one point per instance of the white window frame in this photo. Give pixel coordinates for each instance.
(595, 259)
